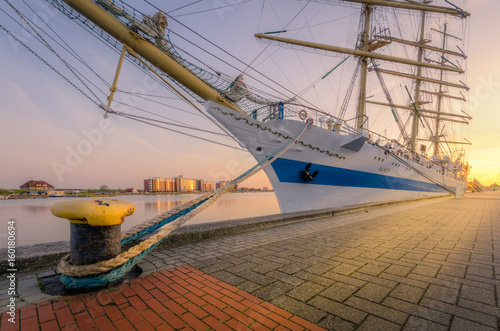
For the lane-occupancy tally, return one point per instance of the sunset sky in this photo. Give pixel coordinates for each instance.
(49, 131)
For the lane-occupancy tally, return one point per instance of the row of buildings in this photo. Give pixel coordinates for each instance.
(155, 184)
(177, 184)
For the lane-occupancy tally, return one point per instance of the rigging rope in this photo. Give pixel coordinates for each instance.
(265, 48)
(148, 121)
(227, 53)
(125, 115)
(48, 64)
(152, 29)
(94, 100)
(391, 102)
(246, 100)
(323, 76)
(189, 127)
(70, 51)
(350, 89)
(50, 48)
(101, 273)
(189, 4)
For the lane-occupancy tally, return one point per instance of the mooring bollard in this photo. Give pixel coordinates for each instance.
(95, 227)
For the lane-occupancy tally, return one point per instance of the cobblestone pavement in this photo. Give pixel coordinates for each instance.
(424, 265)
(427, 265)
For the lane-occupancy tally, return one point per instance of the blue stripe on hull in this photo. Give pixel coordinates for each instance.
(288, 171)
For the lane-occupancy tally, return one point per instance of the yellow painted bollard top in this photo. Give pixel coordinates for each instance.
(94, 212)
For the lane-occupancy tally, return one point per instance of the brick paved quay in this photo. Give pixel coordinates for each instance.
(427, 265)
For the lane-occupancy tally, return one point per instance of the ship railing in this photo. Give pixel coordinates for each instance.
(320, 118)
(302, 113)
(393, 146)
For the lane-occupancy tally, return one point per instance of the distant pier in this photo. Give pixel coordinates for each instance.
(429, 264)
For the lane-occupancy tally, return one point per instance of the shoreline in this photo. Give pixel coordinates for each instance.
(113, 195)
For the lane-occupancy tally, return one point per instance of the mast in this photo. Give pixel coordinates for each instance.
(414, 130)
(148, 51)
(364, 68)
(440, 98)
(364, 52)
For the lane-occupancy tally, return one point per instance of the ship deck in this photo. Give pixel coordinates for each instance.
(430, 264)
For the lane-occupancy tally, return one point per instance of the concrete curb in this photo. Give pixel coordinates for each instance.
(48, 254)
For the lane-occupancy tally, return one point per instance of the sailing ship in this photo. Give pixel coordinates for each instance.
(336, 162)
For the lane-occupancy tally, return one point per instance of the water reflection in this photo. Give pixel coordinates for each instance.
(160, 206)
(35, 224)
(225, 203)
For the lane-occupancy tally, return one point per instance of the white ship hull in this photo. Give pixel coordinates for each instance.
(345, 177)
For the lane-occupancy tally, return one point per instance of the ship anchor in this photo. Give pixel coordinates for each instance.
(306, 176)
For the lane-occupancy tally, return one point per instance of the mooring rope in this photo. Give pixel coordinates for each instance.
(101, 273)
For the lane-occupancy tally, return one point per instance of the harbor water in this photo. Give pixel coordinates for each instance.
(35, 223)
